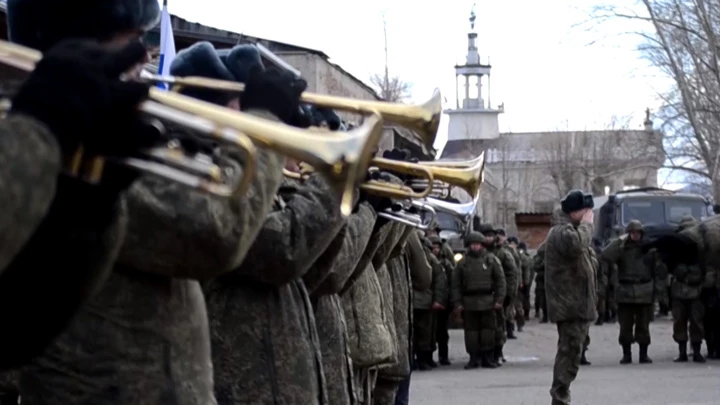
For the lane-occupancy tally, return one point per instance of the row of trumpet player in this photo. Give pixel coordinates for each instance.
(208, 107)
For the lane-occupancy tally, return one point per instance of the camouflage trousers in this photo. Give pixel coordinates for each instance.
(500, 327)
(634, 320)
(384, 392)
(601, 306)
(572, 337)
(684, 312)
(424, 330)
(519, 310)
(540, 302)
(479, 331)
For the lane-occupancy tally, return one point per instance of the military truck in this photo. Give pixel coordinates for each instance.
(659, 210)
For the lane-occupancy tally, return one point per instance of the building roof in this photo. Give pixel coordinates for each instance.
(197, 31)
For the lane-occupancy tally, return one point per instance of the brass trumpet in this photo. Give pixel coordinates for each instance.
(343, 160)
(423, 119)
(466, 174)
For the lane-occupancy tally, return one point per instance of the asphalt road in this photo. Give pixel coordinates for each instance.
(525, 378)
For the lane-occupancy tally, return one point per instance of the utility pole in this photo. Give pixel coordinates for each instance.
(387, 73)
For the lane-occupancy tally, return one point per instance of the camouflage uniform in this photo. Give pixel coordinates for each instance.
(571, 297)
(371, 343)
(637, 277)
(31, 161)
(528, 279)
(424, 317)
(687, 307)
(539, 269)
(324, 280)
(410, 272)
(146, 329)
(478, 285)
(602, 286)
(443, 316)
(510, 268)
(265, 346)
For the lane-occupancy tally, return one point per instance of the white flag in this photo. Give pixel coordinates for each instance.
(167, 44)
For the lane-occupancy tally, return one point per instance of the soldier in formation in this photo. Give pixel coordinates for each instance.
(539, 270)
(528, 278)
(638, 277)
(443, 315)
(478, 294)
(512, 244)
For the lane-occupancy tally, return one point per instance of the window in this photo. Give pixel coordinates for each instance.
(667, 210)
(448, 222)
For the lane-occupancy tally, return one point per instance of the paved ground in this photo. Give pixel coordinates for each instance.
(525, 378)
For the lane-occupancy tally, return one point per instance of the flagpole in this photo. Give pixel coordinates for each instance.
(167, 44)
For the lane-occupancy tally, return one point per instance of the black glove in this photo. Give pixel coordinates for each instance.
(379, 204)
(301, 118)
(77, 92)
(275, 91)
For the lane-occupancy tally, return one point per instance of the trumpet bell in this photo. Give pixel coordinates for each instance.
(467, 174)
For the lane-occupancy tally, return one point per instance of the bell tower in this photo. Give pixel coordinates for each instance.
(473, 117)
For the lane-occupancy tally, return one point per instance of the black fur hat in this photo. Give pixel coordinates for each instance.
(202, 59)
(241, 60)
(40, 24)
(513, 239)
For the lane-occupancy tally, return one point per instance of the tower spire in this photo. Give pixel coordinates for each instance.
(472, 17)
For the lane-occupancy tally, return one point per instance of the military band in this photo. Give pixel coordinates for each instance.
(274, 271)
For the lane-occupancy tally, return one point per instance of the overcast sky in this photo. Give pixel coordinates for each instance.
(544, 71)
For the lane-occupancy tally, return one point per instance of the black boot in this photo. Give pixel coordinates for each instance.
(486, 360)
(510, 330)
(627, 355)
(443, 355)
(697, 355)
(682, 350)
(544, 318)
(583, 360)
(710, 350)
(420, 362)
(644, 359)
(473, 363)
(429, 360)
(599, 321)
(497, 355)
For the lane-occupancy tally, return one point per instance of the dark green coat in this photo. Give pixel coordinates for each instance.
(569, 271)
(438, 292)
(538, 266)
(510, 269)
(479, 282)
(637, 274)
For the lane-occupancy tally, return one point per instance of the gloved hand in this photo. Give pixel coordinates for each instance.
(401, 155)
(275, 91)
(76, 91)
(379, 204)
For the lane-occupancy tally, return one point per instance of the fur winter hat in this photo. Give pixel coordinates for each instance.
(241, 60)
(201, 59)
(40, 24)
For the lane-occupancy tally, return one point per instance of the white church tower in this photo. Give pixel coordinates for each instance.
(473, 117)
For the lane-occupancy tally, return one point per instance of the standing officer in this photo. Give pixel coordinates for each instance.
(570, 287)
(687, 281)
(478, 292)
(637, 277)
(528, 278)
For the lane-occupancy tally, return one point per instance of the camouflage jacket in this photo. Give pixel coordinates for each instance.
(526, 264)
(512, 280)
(438, 291)
(324, 281)
(369, 338)
(31, 162)
(706, 236)
(570, 286)
(144, 332)
(479, 282)
(264, 340)
(637, 274)
(401, 279)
